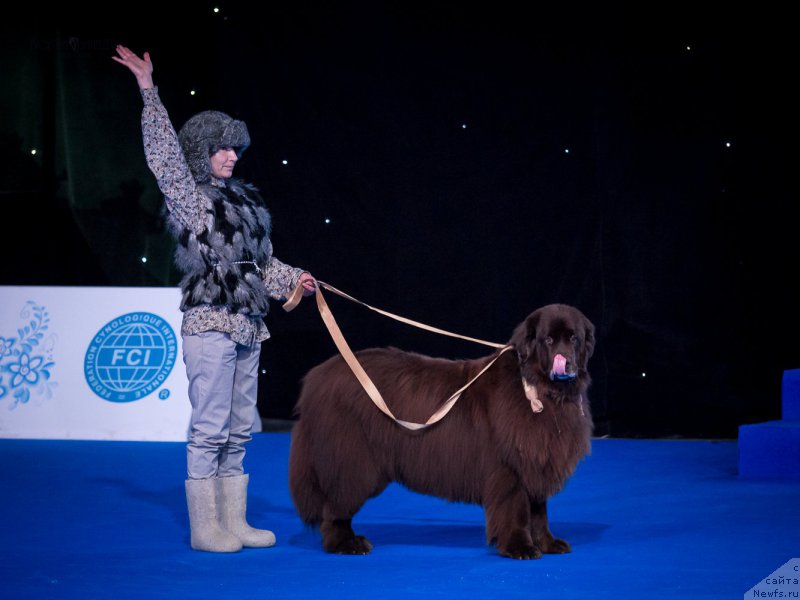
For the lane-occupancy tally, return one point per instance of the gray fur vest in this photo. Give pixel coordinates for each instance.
(222, 264)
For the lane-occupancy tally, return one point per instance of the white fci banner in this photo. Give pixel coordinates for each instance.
(92, 363)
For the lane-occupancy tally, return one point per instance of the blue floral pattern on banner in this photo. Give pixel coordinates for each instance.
(27, 359)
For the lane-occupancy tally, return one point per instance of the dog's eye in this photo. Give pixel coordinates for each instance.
(573, 339)
(548, 340)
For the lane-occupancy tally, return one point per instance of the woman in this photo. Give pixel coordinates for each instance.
(222, 228)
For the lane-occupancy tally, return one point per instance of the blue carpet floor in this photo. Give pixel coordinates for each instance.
(646, 519)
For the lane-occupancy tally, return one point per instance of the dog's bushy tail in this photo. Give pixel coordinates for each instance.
(303, 482)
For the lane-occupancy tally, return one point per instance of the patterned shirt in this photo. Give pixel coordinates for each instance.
(186, 203)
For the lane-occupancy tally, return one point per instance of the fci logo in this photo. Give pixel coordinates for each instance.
(130, 357)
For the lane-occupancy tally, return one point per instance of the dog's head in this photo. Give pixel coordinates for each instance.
(554, 343)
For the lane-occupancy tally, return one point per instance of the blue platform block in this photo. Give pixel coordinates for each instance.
(790, 395)
(772, 449)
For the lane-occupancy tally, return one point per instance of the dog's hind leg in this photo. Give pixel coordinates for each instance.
(342, 502)
(508, 516)
(346, 490)
(312, 499)
(540, 531)
(338, 537)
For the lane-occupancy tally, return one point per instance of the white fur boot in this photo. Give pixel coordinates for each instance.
(232, 500)
(206, 532)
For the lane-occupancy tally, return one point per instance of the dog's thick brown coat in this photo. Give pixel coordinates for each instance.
(491, 449)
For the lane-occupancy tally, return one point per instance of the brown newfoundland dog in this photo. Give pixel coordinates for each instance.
(509, 443)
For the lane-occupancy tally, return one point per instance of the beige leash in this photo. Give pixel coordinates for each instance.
(361, 375)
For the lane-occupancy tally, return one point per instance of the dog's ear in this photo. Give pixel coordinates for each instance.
(588, 338)
(525, 335)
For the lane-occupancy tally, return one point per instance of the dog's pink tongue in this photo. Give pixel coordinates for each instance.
(559, 365)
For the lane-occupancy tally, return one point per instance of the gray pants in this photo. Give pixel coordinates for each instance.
(223, 390)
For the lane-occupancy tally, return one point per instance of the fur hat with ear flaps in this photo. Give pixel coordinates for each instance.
(204, 134)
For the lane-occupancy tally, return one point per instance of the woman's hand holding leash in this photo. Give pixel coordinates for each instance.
(308, 283)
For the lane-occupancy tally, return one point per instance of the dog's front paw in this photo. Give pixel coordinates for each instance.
(519, 547)
(355, 545)
(521, 552)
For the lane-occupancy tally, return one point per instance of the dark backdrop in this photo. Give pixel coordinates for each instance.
(457, 164)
